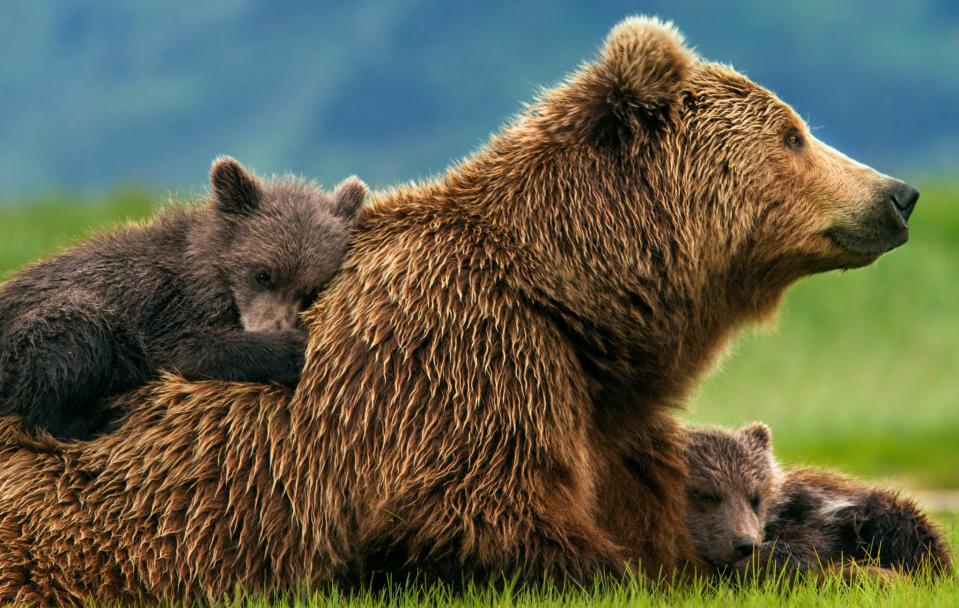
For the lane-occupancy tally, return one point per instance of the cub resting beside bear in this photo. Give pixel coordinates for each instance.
(491, 378)
(211, 291)
(748, 516)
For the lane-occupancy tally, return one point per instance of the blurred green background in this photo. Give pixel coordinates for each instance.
(862, 370)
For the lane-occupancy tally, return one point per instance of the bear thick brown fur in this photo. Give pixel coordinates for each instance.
(490, 378)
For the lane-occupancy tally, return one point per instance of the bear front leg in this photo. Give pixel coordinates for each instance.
(536, 523)
(782, 562)
(57, 362)
(642, 496)
(550, 539)
(240, 356)
(566, 547)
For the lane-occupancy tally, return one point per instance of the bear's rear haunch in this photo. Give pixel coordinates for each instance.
(490, 379)
(208, 291)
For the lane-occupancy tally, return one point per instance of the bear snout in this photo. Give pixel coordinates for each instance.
(744, 547)
(904, 198)
(880, 227)
(887, 226)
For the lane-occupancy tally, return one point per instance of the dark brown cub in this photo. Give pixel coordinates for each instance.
(745, 512)
(210, 291)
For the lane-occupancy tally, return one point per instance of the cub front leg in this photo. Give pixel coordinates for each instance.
(240, 356)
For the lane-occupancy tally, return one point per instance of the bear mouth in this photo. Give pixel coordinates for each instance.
(866, 248)
(729, 566)
(877, 231)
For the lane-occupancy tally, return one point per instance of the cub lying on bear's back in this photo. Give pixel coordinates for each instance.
(212, 291)
(743, 510)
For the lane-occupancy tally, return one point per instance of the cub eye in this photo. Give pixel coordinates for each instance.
(263, 279)
(793, 139)
(313, 296)
(754, 503)
(706, 498)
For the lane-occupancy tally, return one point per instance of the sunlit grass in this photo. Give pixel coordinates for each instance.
(39, 227)
(810, 591)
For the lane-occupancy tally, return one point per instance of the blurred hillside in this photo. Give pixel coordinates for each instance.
(97, 92)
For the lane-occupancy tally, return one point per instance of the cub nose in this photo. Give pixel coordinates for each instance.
(904, 197)
(744, 547)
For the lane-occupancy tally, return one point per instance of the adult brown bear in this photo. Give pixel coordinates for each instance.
(490, 379)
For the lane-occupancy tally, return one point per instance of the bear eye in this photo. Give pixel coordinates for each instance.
(312, 297)
(754, 503)
(263, 279)
(706, 498)
(793, 139)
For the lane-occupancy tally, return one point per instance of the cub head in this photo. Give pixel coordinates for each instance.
(718, 173)
(733, 478)
(278, 242)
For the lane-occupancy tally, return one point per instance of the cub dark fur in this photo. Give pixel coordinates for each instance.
(745, 511)
(209, 291)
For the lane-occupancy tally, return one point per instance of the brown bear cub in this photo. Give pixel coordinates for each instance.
(211, 291)
(745, 511)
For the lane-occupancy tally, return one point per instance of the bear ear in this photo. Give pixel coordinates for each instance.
(637, 82)
(757, 435)
(235, 191)
(348, 197)
(647, 60)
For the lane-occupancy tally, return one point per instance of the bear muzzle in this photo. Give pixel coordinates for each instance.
(881, 227)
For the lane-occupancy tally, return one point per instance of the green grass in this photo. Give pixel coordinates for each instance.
(39, 227)
(861, 373)
(819, 593)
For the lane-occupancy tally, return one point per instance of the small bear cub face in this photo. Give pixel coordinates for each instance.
(278, 242)
(733, 478)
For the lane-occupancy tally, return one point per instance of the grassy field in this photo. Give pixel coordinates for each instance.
(827, 593)
(861, 372)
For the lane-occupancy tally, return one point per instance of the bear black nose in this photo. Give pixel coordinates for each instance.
(904, 197)
(744, 547)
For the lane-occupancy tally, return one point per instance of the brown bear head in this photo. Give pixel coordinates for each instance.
(733, 478)
(724, 186)
(276, 243)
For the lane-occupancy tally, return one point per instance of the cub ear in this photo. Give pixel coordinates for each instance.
(646, 60)
(757, 435)
(235, 191)
(348, 197)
